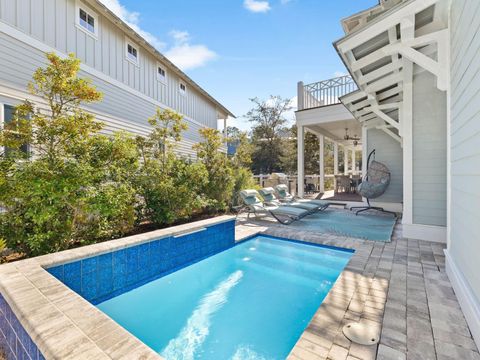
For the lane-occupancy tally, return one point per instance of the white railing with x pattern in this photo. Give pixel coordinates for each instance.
(323, 93)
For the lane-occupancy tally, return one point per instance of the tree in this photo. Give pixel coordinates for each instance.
(73, 190)
(167, 127)
(268, 132)
(219, 187)
(170, 186)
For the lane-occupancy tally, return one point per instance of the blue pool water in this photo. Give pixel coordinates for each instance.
(252, 301)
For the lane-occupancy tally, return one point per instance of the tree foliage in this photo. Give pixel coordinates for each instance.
(220, 183)
(268, 133)
(73, 190)
(79, 186)
(170, 186)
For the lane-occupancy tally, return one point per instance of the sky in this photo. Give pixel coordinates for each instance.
(240, 49)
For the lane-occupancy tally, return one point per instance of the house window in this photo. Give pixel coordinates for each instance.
(161, 74)
(182, 88)
(131, 52)
(8, 116)
(86, 20)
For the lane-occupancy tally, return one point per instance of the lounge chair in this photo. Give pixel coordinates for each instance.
(268, 195)
(283, 214)
(285, 197)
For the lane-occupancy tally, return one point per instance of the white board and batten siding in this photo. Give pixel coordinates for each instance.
(463, 251)
(131, 92)
(429, 151)
(388, 152)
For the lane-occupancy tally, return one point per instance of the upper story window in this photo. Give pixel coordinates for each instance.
(131, 51)
(86, 20)
(182, 88)
(161, 73)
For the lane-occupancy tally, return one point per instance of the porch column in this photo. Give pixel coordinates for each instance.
(345, 160)
(353, 162)
(321, 141)
(300, 159)
(335, 158)
(225, 135)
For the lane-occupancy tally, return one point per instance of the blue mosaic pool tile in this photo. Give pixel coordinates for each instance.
(14, 340)
(107, 275)
(105, 261)
(105, 282)
(57, 271)
(89, 265)
(89, 285)
(73, 278)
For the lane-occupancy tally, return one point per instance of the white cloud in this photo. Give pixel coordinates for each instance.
(185, 55)
(132, 19)
(180, 36)
(257, 6)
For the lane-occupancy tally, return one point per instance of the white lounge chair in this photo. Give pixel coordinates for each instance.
(268, 195)
(283, 214)
(286, 197)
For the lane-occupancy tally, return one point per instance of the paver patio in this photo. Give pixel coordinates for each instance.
(399, 288)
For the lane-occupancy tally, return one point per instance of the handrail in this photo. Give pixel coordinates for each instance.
(325, 92)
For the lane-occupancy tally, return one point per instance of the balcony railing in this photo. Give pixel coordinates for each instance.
(323, 93)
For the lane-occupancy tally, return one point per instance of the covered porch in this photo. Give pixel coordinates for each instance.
(321, 113)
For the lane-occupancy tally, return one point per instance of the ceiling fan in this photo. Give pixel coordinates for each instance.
(353, 138)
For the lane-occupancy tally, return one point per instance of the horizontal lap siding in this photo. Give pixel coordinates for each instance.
(389, 152)
(465, 139)
(429, 152)
(53, 23)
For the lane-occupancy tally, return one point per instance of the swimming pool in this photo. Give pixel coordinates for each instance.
(252, 301)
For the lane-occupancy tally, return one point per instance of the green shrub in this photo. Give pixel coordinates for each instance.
(218, 189)
(82, 187)
(3, 245)
(171, 187)
(74, 190)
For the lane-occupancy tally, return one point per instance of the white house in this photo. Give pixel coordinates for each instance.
(133, 76)
(416, 67)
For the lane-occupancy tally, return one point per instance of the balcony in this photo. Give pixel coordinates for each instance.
(324, 93)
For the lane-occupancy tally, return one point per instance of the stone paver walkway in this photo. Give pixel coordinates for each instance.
(399, 288)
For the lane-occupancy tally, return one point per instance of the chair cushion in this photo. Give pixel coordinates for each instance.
(282, 190)
(268, 194)
(250, 197)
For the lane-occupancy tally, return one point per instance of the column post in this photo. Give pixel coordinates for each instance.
(300, 159)
(335, 158)
(300, 96)
(345, 160)
(353, 162)
(321, 140)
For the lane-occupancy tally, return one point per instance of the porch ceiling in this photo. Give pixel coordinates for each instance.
(335, 130)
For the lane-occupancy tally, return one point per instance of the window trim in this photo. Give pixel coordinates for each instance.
(28, 149)
(80, 6)
(128, 41)
(182, 92)
(162, 79)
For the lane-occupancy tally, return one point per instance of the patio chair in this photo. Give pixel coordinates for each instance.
(284, 196)
(283, 214)
(374, 185)
(268, 194)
